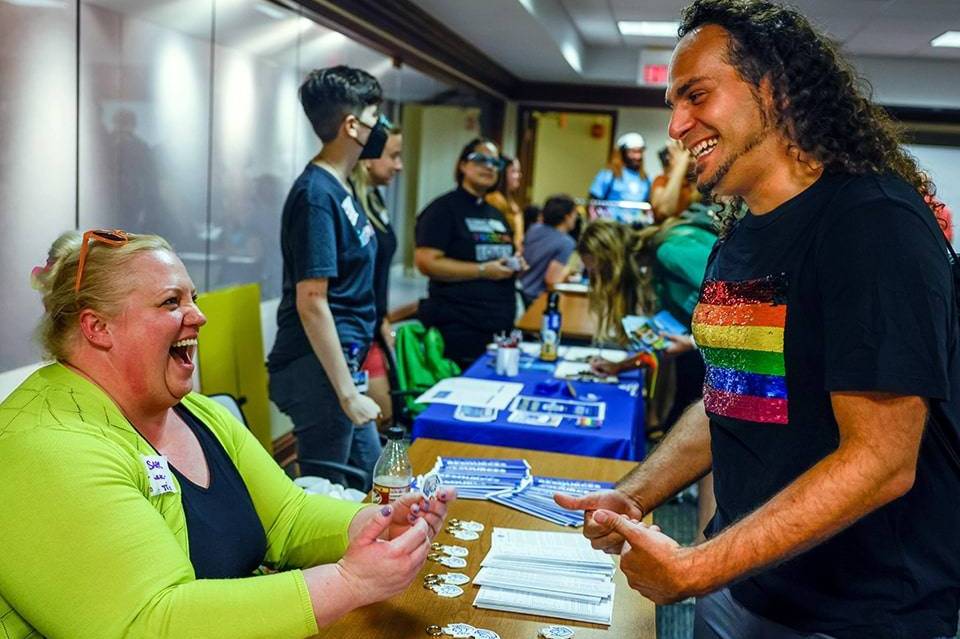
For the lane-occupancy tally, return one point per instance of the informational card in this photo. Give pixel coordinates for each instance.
(647, 333)
(534, 419)
(467, 391)
(564, 407)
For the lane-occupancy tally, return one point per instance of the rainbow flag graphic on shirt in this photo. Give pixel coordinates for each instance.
(739, 329)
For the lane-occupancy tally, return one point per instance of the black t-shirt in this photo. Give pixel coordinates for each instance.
(324, 233)
(226, 537)
(466, 228)
(845, 287)
(386, 247)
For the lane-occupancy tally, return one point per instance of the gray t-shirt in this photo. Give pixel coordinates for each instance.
(542, 245)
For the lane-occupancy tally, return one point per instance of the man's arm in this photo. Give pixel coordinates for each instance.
(874, 464)
(435, 265)
(321, 330)
(682, 458)
(557, 272)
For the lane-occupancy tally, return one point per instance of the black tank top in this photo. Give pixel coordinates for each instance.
(226, 536)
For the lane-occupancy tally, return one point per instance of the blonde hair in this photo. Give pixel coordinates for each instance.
(621, 280)
(101, 289)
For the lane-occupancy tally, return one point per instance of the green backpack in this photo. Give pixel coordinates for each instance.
(420, 362)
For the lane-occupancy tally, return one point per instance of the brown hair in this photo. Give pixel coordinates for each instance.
(100, 291)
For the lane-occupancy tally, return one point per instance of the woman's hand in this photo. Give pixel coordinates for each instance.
(375, 569)
(497, 270)
(679, 344)
(372, 569)
(604, 367)
(413, 507)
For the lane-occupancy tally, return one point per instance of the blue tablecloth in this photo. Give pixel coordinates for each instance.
(621, 436)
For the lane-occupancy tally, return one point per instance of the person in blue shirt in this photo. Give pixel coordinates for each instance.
(624, 180)
(327, 314)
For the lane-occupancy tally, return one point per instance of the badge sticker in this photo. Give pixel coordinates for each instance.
(461, 630)
(448, 590)
(483, 633)
(455, 551)
(158, 474)
(474, 526)
(556, 632)
(452, 562)
(465, 535)
(455, 578)
(430, 485)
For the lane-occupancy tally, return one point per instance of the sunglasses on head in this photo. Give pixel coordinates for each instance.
(487, 160)
(115, 237)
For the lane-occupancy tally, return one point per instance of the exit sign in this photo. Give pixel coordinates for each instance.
(655, 74)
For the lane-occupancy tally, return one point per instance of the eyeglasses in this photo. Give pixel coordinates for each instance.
(116, 237)
(487, 160)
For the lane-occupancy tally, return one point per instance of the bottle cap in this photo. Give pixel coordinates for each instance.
(395, 432)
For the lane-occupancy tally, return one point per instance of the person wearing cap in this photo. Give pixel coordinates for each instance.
(624, 179)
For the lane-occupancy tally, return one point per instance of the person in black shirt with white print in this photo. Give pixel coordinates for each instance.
(828, 324)
(465, 247)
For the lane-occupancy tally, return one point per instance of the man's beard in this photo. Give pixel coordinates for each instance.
(706, 189)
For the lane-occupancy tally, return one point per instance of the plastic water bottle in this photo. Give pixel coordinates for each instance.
(550, 329)
(393, 473)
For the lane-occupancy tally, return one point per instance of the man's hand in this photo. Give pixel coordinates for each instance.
(413, 506)
(360, 409)
(679, 155)
(655, 565)
(601, 535)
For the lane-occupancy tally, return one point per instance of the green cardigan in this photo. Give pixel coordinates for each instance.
(85, 551)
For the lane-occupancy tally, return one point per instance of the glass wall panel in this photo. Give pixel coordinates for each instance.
(255, 109)
(37, 157)
(145, 113)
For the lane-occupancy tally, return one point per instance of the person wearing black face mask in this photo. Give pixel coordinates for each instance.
(465, 247)
(327, 316)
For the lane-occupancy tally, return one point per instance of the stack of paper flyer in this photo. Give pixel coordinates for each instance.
(475, 478)
(546, 573)
(535, 497)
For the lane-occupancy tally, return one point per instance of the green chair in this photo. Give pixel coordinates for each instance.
(419, 364)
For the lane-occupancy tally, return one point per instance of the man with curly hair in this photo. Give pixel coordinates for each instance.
(829, 327)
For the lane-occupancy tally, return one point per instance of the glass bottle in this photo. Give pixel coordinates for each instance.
(393, 473)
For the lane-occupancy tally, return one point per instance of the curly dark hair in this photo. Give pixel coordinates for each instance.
(821, 105)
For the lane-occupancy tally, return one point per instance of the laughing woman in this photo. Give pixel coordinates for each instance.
(132, 507)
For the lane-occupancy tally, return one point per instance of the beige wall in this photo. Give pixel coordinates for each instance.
(566, 156)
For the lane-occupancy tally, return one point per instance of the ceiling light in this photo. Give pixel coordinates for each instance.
(947, 39)
(39, 4)
(658, 29)
(270, 10)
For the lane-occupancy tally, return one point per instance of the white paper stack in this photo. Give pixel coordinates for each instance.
(546, 573)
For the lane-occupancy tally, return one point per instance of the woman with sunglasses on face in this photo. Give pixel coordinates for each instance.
(465, 247)
(133, 507)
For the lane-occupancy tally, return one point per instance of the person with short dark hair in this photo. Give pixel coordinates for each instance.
(828, 322)
(548, 247)
(465, 247)
(327, 315)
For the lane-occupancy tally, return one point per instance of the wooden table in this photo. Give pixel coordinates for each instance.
(578, 322)
(408, 615)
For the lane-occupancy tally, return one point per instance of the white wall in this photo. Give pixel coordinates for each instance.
(922, 83)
